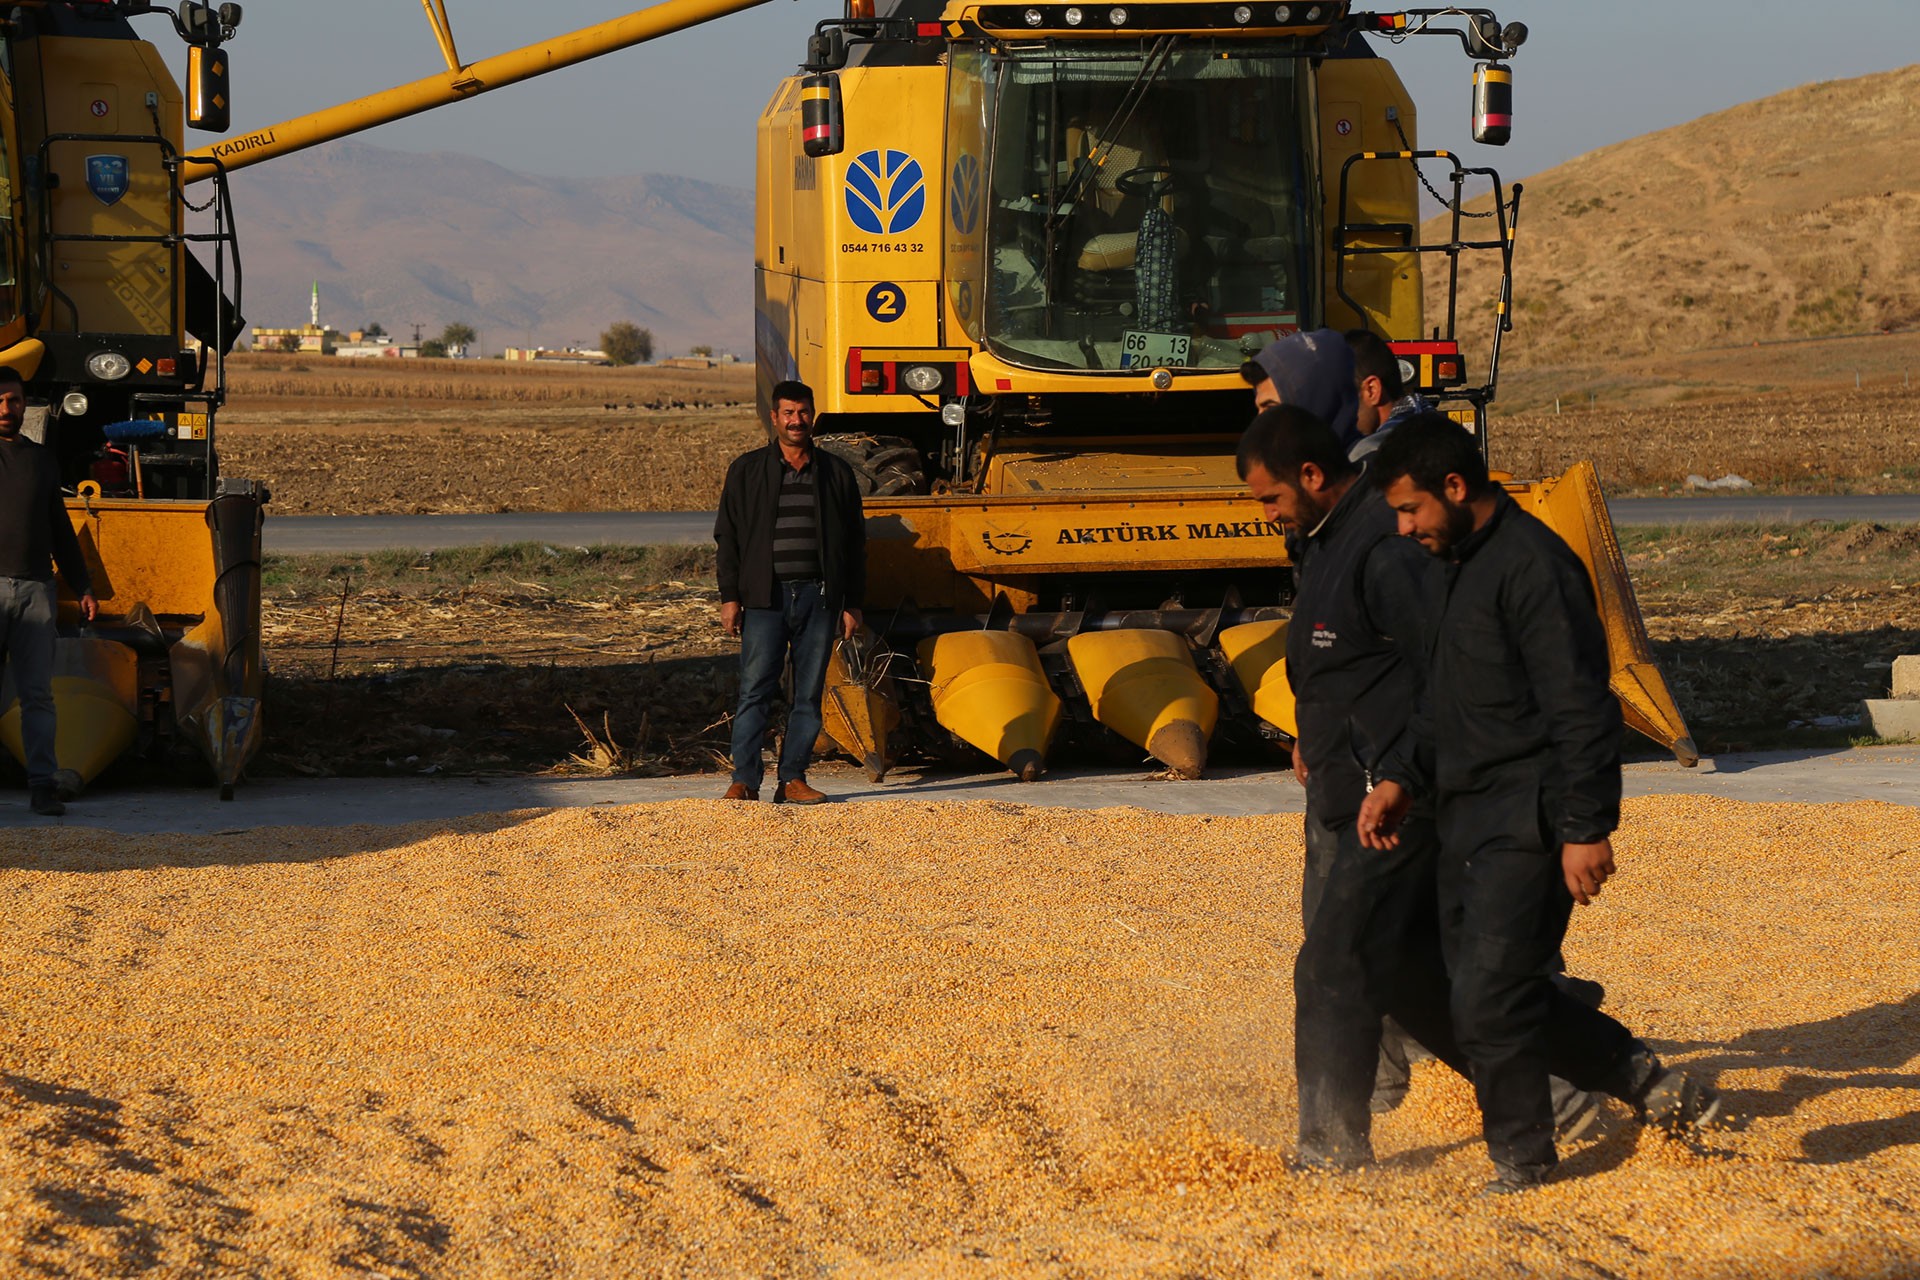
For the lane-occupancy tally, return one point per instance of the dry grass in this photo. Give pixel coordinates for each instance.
(698, 1039)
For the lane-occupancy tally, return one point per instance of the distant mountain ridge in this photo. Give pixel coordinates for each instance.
(1793, 216)
(403, 238)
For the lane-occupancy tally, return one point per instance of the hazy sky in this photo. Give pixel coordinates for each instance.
(1594, 72)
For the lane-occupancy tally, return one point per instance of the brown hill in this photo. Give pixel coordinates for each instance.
(1795, 216)
(403, 238)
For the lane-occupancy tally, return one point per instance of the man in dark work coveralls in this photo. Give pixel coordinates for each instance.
(1354, 653)
(1526, 793)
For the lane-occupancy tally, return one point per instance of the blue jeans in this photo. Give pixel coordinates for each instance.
(799, 627)
(26, 647)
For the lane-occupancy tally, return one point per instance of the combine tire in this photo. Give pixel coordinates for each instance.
(885, 466)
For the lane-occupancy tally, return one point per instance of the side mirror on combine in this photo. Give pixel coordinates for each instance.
(823, 125)
(209, 95)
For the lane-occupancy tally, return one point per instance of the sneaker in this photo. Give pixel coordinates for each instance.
(45, 802)
(798, 792)
(1575, 1113)
(741, 791)
(1678, 1103)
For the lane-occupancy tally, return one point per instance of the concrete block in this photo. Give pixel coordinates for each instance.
(1893, 717)
(1906, 676)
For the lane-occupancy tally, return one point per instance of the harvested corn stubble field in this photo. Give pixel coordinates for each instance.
(895, 1039)
(478, 660)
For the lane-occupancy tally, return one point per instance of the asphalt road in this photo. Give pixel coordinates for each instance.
(297, 535)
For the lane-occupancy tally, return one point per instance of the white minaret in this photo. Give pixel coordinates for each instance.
(314, 312)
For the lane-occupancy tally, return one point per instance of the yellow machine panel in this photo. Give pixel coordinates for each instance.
(849, 256)
(111, 87)
(1361, 100)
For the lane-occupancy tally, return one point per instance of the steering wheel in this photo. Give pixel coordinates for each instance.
(1148, 181)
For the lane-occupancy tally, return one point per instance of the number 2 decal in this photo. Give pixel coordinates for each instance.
(886, 302)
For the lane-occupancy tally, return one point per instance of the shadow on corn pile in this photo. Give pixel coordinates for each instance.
(1863, 1044)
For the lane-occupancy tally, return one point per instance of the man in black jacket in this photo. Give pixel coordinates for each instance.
(793, 576)
(1355, 650)
(35, 534)
(1526, 790)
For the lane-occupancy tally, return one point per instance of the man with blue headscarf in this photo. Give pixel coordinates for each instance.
(1311, 371)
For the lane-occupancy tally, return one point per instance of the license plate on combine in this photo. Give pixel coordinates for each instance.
(1142, 350)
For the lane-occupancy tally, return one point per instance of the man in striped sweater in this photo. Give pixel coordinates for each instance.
(793, 574)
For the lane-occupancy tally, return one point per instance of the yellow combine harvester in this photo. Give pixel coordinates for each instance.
(1020, 251)
(119, 330)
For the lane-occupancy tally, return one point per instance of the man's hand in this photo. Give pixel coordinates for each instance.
(730, 616)
(849, 622)
(1299, 763)
(89, 607)
(1381, 814)
(1586, 867)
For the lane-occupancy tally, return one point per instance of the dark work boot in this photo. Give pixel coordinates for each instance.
(1662, 1096)
(1512, 1180)
(45, 802)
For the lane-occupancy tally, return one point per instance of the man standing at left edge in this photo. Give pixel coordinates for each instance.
(35, 534)
(793, 577)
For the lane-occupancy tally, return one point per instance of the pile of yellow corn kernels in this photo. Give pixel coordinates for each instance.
(896, 1038)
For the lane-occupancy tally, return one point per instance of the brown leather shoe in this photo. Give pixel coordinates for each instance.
(798, 792)
(741, 791)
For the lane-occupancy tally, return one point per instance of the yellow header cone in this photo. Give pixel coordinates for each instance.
(1144, 686)
(95, 699)
(990, 692)
(1573, 507)
(1257, 652)
(861, 718)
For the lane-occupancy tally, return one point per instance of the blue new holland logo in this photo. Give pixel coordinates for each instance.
(107, 177)
(963, 194)
(886, 192)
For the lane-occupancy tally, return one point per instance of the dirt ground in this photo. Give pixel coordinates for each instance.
(484, 666)
(380, 440)
(479, 661)
(895, 1039)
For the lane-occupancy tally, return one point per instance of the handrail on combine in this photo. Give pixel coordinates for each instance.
(1506, 215)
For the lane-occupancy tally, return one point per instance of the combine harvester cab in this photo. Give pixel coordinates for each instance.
(1021, 252)
(120, 332)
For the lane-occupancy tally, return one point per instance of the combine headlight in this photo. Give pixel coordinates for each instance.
(1074, 16)
(953, 413)
(920, 378)
(1313, 13)
(1033, 17)
(109, 366)
(73, 404)
(1243, 15)
(1283, 14)
(1117, 16)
